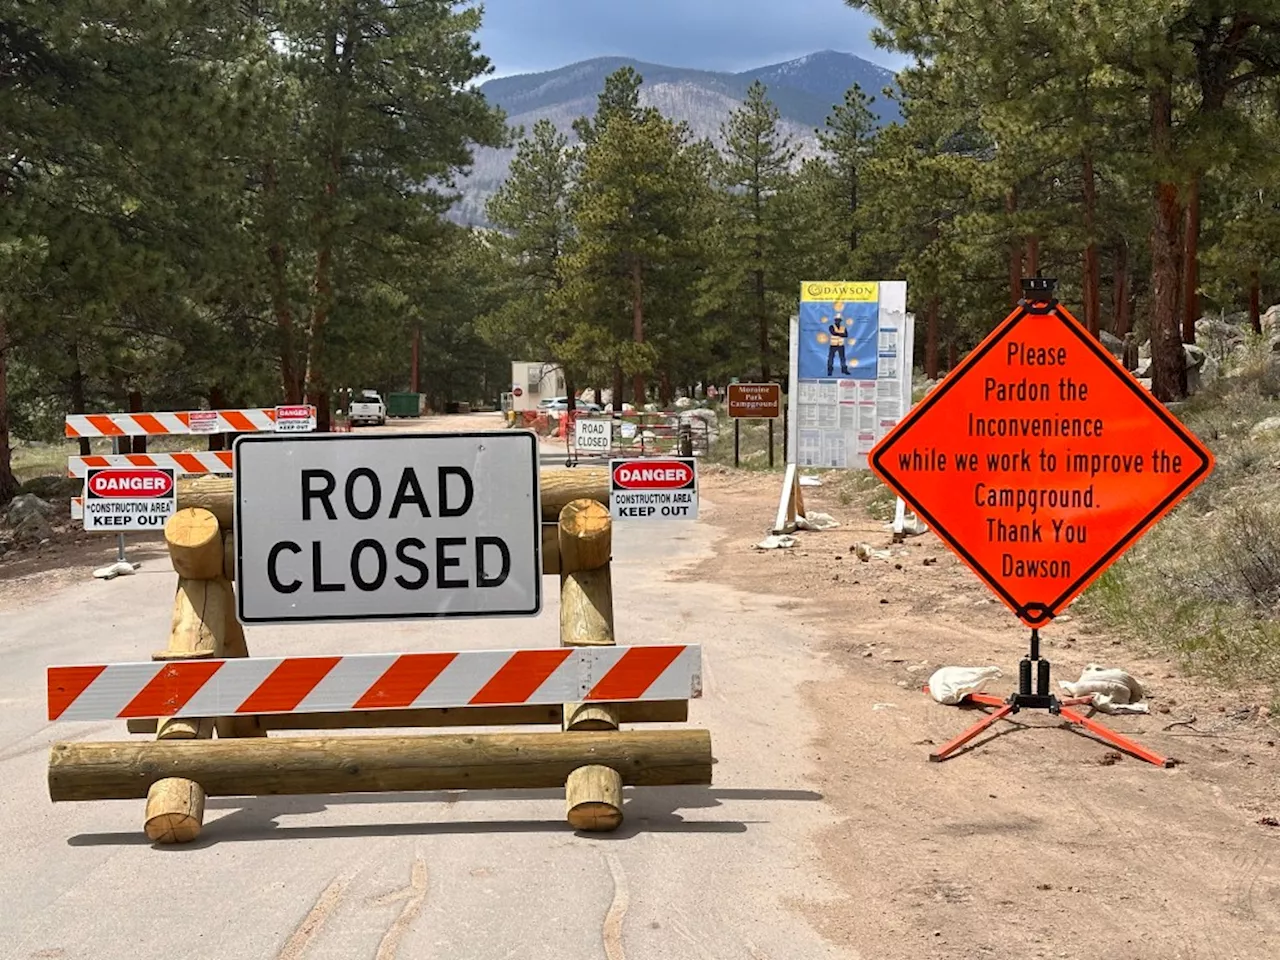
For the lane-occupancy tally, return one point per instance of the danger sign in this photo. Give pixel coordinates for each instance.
(126, 498)
(403, 527)
(203, 421)
(654, 489)
(1040, 460)
(755, 401)
(295, 419)
(593, 436)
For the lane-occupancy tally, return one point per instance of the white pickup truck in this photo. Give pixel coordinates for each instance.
(367, 408)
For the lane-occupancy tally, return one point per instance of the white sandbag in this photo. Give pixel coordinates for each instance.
(1117, 686)
(817, 521)
(950, 685)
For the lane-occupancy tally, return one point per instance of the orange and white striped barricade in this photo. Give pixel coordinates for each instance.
(205, 684)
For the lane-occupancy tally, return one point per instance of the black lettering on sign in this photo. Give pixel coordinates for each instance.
(375, 496)
(317, 577)
(403, 556)
(468, 495)
(409, 491)
(273, 575)
(310, 492)
(482, 577)
(443, 563)
(368, 586)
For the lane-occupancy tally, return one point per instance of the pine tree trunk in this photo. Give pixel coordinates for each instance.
(1255, 302)
(1033, 256)
(414, 385)
(289, 383)
(134, 444)
(665, 393)
(1191, 264)
(953, 354)
(637, 307)
(617, 388)
(217, 401)
(8, 482)
(571, 392)
(1092, 271)
(1120, 292)
(77, 394)
(1168, 362)
(1015, 250)
(931, 340)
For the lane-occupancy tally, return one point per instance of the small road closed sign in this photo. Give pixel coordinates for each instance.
(593, 436)
(665, 489)
(129, 498)
(406, 527)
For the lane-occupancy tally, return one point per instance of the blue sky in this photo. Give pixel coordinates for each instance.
(523, 36)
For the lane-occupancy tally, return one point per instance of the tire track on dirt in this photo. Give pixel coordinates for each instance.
(320, 912)
(617, 912)
(414, 896)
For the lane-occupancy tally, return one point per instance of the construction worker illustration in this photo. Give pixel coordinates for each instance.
(839, 331)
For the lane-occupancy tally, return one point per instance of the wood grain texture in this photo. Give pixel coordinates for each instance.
(312, 765)
(195, 546)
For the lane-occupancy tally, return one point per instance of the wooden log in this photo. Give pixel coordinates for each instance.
(585, 536)
(593, 798)
(562, 487)
(559, 487)
(594, 716)
(550, 549)
(229, 556)
(586, 608)
(199, 617)
(195, 544)
(235, 646)
(213, 493)
(183, 728)
(640, 711)
(175, 811)
(89, 770)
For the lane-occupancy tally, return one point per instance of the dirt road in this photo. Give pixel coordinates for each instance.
(826, 834)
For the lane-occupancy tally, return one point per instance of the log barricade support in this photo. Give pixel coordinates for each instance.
(589, 754)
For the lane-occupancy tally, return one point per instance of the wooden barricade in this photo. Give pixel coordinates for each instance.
(590, 755)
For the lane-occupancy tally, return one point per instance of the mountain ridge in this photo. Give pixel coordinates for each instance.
(804, 90)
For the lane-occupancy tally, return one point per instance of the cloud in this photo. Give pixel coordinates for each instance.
(522, 36)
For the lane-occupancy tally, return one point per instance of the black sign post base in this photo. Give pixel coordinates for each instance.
(1042, 699)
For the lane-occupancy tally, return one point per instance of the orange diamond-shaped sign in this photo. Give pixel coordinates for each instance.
(1039, 460)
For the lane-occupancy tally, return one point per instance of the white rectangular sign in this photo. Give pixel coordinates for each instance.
(593, 436)
(129, 498)
(295, 419)
(344, 527)
(203, 421)
(654, 489)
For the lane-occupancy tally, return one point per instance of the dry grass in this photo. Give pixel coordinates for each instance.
(754, 445)
(39, 459)
(1204, 584)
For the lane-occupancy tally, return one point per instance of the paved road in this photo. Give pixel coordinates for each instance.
(695, 873)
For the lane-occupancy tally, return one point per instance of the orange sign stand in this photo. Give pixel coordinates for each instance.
(1039, 461)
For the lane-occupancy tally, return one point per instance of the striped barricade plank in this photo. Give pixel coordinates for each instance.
(77, 508)
(218, 461)
(162, 424)
(337, 684)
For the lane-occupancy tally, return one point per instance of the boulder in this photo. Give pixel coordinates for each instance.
(1269, 425)
(1113, 344)
(1144, 369)
(28, 504)
(33, 529)
(1144, 351)
(1196, 357)
(53, 488)
(6, 545)
(1271, 321)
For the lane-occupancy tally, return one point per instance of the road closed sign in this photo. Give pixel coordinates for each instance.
(665, 489)
(406, 527)
(593, 436)
(129, 498)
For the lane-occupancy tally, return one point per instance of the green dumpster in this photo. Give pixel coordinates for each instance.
(404, 405)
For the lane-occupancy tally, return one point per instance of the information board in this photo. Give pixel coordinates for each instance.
(851, 375)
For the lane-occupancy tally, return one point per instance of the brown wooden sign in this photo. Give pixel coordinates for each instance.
(755, 401)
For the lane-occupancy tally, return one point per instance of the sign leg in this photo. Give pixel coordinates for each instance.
(1115, 739)
(949, 748)
(900, 521)
(770, 444)
(737, 443)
